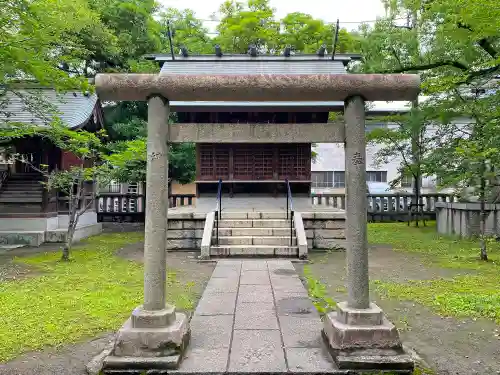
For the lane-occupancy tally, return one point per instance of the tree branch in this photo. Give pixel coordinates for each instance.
(455, 64)
(484, 43)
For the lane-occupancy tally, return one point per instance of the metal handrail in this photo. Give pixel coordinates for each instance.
(218, 211)
(289, 208)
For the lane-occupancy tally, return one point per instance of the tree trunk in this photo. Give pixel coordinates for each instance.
(74, 203)
(482, 218)
(417, 175)
(69, 241)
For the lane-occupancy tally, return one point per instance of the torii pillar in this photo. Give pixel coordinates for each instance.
(358, 334)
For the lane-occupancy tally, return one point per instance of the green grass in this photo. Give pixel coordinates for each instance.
(476, 293)
(448, 252)
(67, 302)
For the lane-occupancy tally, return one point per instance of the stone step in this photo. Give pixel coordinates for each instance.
(14, 193)
(253, 250)
(259, 240)
(23, 177)
(23, 187)
(228, 232)
(254, 223)
(253, 215)
(18, 200)
(18, 208)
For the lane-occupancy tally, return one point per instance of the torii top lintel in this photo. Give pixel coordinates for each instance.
(257, 88)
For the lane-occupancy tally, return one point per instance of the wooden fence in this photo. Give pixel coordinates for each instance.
(131, 207)
(389, 207)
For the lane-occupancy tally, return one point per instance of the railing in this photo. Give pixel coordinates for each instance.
(388, 207)
(289, 208)
(176, 200)
(131, 207)
(218, 211)
(4, 175)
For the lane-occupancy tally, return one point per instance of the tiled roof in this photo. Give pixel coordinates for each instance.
(345, 57)
(74, 109)
(249, 66)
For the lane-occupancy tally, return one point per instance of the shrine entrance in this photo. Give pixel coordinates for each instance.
(280, 84)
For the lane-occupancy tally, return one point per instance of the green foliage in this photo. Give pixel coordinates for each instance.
(188, 32)
(129, 158)
(409, 139)
(455, 47)
(318, 293)
(128, 161)
(245, 24)
(254, 22)
(474, 294)
(36, 37)
(71, 301)
(182, 162)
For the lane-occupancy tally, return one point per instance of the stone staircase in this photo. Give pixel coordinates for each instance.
(22, 192)
(264, 234)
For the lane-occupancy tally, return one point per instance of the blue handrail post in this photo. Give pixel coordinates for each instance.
(218, 211)
(289, 207)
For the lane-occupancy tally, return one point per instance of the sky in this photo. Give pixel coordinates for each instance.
(348, 12)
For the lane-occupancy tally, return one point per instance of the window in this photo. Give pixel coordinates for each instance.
(322, 179)
(407, 181)
(339, 179)
(376, 176)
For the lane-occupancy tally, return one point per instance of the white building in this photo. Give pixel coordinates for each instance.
(328, 170)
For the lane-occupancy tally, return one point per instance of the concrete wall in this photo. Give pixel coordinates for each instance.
(463, 219)
(324, 234)
(35, 231)
(185, 233)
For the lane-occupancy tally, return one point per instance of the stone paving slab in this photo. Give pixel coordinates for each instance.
(260, 315)
(221, 285)
(255, 317)
(216, 304)
(257, 351)
(211, 331)
(254, 278)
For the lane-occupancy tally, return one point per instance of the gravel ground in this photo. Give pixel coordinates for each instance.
(450, 346)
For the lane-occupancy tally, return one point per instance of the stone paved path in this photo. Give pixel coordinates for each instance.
(255, 316)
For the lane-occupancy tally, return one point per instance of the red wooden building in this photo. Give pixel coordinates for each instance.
(29, 214)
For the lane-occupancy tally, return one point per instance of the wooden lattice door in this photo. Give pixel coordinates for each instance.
(294, 161)
(243, 162)
(263, 162)
(221, 162)
(206, 160)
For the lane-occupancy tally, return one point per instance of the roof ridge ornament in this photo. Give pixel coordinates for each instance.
(322, 51)
(252, 50)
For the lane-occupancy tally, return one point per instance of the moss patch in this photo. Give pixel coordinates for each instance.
(93, 293)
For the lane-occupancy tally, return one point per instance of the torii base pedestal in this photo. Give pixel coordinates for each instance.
(149, 340)
(363, 339)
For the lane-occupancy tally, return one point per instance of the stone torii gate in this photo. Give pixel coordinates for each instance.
(155, 336)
